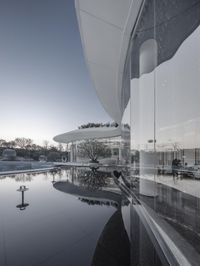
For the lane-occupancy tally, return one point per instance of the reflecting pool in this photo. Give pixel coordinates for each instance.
(75, 217)
(61, 220)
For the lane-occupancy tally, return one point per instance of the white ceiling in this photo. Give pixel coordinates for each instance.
(111, 11)
(105, 28)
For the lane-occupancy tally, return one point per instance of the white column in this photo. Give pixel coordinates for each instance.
(147, 64)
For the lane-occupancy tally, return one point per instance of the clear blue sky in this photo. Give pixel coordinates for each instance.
(44, 82)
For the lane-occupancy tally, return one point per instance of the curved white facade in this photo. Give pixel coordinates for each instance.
(105, 28)
(147, 53)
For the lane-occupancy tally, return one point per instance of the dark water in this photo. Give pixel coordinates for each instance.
(57, 228)
(72, 217)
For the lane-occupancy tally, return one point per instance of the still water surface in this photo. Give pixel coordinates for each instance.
(56, 228)
(71, 217)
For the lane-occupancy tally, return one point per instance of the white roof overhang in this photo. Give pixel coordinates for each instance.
(105, 28)
(88, 133)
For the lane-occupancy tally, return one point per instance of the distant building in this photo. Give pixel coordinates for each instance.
(42, 158)
(9, 155)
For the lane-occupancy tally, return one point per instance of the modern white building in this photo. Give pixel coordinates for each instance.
(144, 60)
(107, 135)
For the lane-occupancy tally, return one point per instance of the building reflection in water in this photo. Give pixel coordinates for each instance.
(124, 239)
(53, 174)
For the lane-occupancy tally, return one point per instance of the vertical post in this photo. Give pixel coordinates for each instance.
(22, 197)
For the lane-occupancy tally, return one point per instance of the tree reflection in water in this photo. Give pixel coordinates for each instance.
(93, 179)
(53, 174)
(56, 173)
(24, 177)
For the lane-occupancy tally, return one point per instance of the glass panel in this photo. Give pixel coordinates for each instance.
(165, 120)
(125, 123)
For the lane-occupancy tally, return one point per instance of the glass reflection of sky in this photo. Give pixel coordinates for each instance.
(177, 98)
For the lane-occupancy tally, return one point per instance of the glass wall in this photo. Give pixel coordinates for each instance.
(165, 119)
(107, 150)
(125, 105)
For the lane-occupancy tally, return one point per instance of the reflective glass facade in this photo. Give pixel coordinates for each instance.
(162, 109)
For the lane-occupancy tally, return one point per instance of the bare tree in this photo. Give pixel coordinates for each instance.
(6, 144)
(29, 142)
(93, 149)
(23, 142)
(176, 146)
(34, 147)
(60, 147)
(46, 144)
(10, 144)
(2, 141)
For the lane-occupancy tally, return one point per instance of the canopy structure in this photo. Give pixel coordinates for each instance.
(88, 133)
